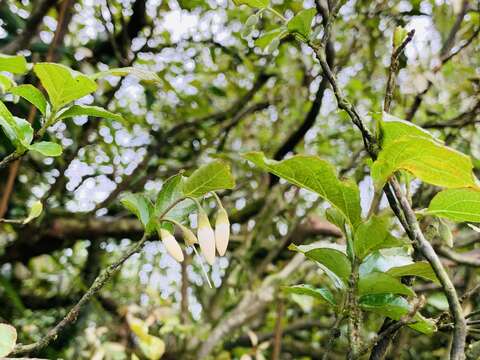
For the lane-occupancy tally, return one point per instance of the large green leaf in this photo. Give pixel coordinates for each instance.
(322, 294)
(374, 235)
(382, 283)
(88, 110)
(32, 95)
(13, 64)
(457, 205)
(394, 307)
(426, 159)
(393, 128)
(63, 85)
(46, 148)
(139, 205)
(333, 261)
(317, 175)
(419, 268)
(211, 177)
(8, 339)
(260, 4)
(302, 23)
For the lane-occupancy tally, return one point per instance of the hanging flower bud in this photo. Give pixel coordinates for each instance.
(222, 231)
(188, 236)
(171, 245)
(206, 237)
(252, 20)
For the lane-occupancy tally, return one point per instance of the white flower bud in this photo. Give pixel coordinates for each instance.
(171, 245)
(222, 231)
(206, 237)
(188, 236)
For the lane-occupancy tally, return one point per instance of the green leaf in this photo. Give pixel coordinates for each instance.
(260, 4)
(6, 83)
(63, 85)
(142, 74)
(13, 64)
(336, 217)
(317, 175)
(322, 294)
(46, 148)
(35, 211)
(384, 259)
(457, 205)
(394, 307)
(302, 23)
(264, 40)
(419, 268)
(8, 339)
(139, 205)
(373, 235)
(152, 347)
(8, 124)
(211, 177)
(171, 192)
(79, 110)
(24, 132)
(393, 128)
(334, 261)
(32, 95)
(426, 159)
(382, 283)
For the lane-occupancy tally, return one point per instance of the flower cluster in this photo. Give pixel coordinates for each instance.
(209, 240)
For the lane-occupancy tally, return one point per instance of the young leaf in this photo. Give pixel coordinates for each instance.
(8, 339)
(374, 235)
(260, 4)
(457, 205)
(141, 74)
(394, 307)
(393, 128)
(46, 148)
(8, 123)
(384, 259)
(171, 192)
(35, 211)
(213, 176)
(382, 283)
(24, 133)
(142, 208)
(302, 23)
(317, 175)
(333, 260)
(264, 40)
(32, 95)
(13, 64)
(63, 85)
(6, 83)
(322, 294)
(426, 159)
(79, 110)
(419, 268)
